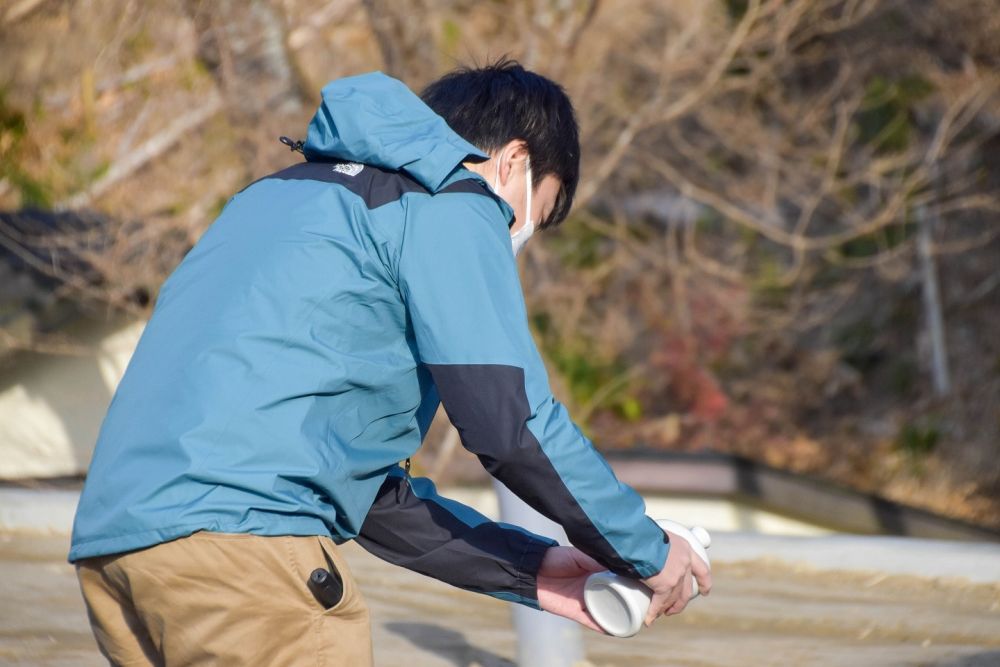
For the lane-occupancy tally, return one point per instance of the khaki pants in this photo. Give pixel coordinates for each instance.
(222, 599)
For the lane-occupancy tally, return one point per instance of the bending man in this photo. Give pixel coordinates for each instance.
(297, 355)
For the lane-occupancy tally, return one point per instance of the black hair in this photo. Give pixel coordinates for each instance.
(489, 106)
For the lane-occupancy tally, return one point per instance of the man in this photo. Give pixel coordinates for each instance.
(297, 355)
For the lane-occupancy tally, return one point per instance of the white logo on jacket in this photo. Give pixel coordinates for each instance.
(349, 168)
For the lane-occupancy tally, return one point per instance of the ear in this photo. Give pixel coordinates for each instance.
(513, 153)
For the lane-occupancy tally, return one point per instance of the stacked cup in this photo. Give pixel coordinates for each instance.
(619, 604)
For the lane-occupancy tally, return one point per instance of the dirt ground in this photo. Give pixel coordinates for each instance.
(760, 614)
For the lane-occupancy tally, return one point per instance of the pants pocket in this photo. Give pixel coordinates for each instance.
(327, 585)
(342, 632)
(323, 553)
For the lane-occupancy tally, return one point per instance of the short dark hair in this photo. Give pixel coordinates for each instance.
(489, 106)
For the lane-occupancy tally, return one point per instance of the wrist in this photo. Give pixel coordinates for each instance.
(528, 567)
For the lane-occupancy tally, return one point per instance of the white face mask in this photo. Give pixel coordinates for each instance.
(521, 236)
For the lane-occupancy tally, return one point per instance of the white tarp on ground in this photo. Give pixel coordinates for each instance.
(52, 405)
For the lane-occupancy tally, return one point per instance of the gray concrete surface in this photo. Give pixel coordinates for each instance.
(762, 613)
(829, 600)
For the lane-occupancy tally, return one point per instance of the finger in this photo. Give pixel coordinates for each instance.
(586, 620)
(705, 584)
(657, 604)
(679, 605)
(676, 609)
(703, 575)
(660, 602)
(573, 609)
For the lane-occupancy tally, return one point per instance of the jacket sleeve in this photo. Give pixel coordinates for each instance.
(459, 280)
(412, 526)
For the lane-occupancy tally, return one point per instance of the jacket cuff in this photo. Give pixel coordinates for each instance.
(526, 588)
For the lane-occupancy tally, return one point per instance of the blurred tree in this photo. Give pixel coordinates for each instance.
(787, 220)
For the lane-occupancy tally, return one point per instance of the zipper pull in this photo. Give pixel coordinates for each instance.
(292, 145)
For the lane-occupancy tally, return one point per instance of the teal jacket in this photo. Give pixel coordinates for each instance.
(299, 351)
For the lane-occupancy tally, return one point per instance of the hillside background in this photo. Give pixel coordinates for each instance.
(785, 243)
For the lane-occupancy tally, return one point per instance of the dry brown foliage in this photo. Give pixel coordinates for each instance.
(785, 239)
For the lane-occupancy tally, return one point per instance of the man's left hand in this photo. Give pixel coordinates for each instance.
(561, 578)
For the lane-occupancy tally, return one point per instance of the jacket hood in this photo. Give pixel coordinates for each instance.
(375, 119)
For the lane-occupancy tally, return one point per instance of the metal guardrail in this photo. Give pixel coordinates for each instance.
(794, 495)
(711, 474)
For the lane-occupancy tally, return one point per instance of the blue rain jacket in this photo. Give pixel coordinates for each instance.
(299, 351)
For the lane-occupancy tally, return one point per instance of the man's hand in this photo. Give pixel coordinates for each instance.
(561, 578)
(672, 586)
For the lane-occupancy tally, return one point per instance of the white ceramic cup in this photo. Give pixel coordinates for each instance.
(619, 604)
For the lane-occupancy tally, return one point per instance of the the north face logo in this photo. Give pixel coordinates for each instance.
(349, 168)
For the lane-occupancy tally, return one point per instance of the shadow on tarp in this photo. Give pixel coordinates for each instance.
(448, 644)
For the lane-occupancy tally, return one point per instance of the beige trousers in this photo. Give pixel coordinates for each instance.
(222, 599)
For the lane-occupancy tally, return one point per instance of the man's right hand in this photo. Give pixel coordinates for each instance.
(672, 586)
